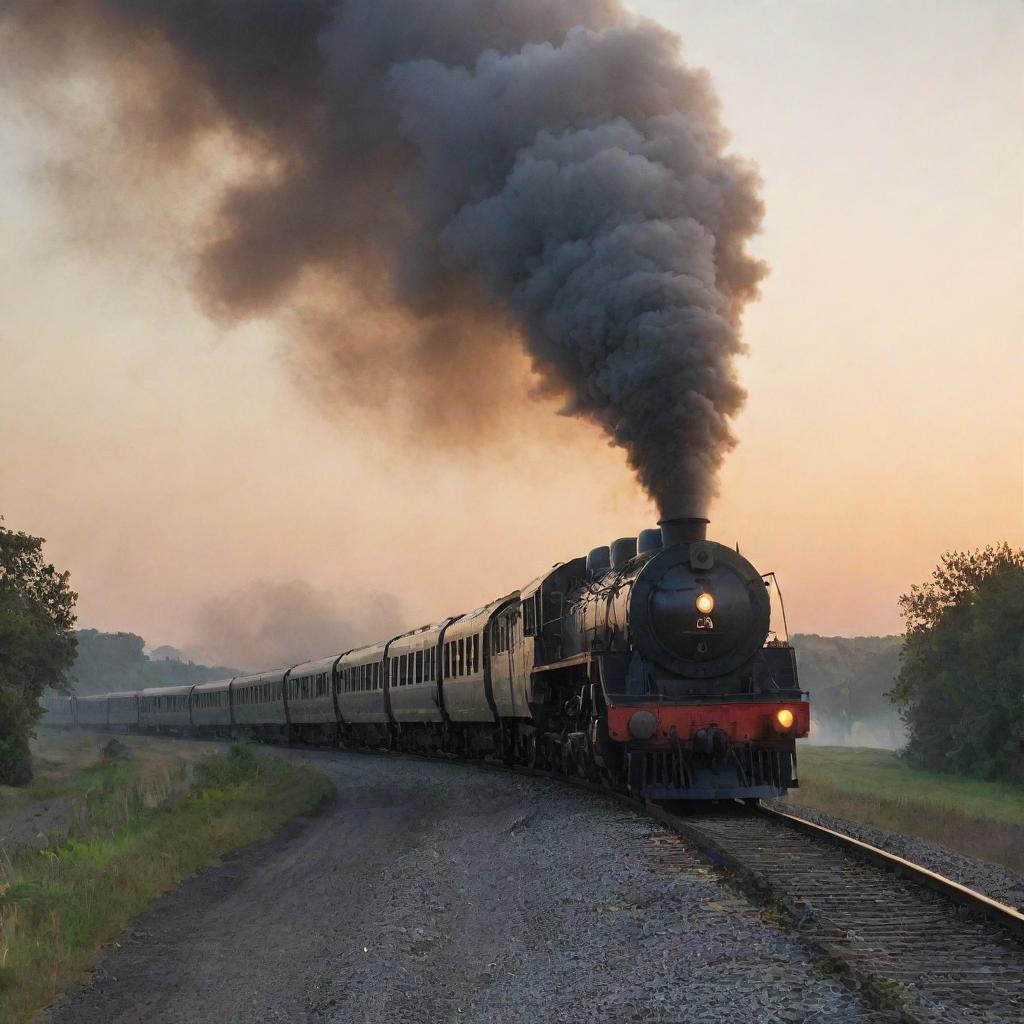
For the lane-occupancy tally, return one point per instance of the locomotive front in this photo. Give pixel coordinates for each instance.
(698, 702)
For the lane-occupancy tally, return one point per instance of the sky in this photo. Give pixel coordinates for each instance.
(176, 466)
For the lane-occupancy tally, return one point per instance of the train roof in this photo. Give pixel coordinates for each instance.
(363, 655)
(273, 676)
(167, 691)
(419, 639)
(307, 668)
(213, 684)
(475, 620)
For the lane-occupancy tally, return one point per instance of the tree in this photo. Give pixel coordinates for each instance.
(961, 682)
(37, 645)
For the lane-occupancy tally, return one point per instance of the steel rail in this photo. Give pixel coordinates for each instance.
(1007, 917)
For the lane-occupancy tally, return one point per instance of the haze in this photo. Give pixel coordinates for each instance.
(171, 465)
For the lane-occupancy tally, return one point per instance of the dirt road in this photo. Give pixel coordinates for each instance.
(431, 893)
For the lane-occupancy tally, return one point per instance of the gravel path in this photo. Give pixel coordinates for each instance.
(431, 893)
(996, 882)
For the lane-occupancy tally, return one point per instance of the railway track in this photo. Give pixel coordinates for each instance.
(920, 945)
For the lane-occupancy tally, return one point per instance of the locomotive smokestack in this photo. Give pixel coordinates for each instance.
(683, 530)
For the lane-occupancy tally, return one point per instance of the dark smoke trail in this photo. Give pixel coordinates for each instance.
(466, 171)
(272, 623)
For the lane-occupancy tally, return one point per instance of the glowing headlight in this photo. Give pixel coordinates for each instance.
(705, 603)
(784, 717)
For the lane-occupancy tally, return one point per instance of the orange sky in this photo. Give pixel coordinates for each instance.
(170, 463)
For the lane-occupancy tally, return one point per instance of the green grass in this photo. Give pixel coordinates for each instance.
(65, 762)
(147, 821)
(876, 787)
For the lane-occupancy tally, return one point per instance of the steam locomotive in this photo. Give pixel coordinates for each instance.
(646, 665)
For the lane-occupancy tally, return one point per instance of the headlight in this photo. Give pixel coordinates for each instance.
(784, 717)
(705, 603)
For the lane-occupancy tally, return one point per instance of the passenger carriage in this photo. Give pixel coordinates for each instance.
(414, 681)
(466, 689)
(361, 696)
(93, 711)
(211, 707)
(123, 710)
(312, 709)
(513, 632)
(257, 705)
(58, 710)
(166, 709)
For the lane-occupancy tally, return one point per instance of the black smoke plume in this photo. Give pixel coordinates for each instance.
(461, 176)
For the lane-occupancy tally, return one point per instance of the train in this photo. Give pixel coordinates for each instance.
(648, 665)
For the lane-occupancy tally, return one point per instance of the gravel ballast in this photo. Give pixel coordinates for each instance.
(432, 892)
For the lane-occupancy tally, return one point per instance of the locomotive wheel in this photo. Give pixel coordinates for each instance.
(533, 758)
(585, 766)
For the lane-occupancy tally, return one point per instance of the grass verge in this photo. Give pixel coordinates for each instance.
(876, 787)
(136, 834)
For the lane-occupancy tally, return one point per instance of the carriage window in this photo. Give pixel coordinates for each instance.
(529, 617)
(419, 666)
(460, 657)
(476, 652)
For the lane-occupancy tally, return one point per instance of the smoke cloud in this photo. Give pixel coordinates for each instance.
(432, 189)
(272, 624)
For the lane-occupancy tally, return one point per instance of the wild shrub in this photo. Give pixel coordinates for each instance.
(961, 682)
